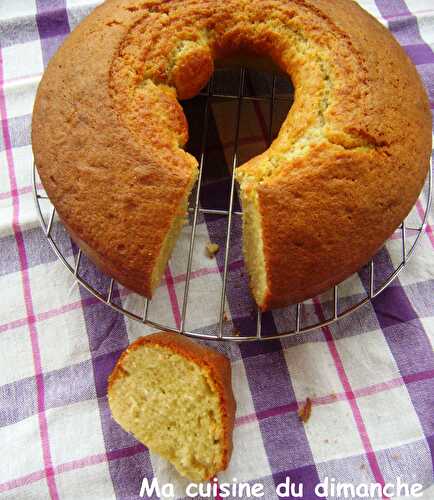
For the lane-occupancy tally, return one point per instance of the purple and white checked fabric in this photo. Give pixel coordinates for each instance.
(370, 377)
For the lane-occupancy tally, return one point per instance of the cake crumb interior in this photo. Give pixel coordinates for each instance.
(169, 403)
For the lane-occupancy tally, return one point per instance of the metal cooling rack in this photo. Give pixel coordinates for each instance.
(295, 311)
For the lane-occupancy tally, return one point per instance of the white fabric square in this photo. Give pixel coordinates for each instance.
(420, 8)
(244, 464)
(351, 286)
(91, 482)
(53, 286)
(63, 340)
(78, 9)
(367, 359)
(203, 307)
(14, 56)
(371, 7)
(16, 357)
(428, 324)
(20, 96)
(240, 386)
(135, 329)
(427, 494)
(71, 4)
(66, 426)
(332, 432)
(17, 8)
(179, 257)
(5, 183)
(205, 285)
(420, 267)
(426, 27)
(21, 449)
(33, 491)
(179, 260)
(6, 215)
(12, 304)
(26, 216)
(390, 418)
(167, 474)
(304, 363)
(23, 161)
(160, 309)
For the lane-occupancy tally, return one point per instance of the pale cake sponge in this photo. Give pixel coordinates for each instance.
(253, 247)
(175, 396)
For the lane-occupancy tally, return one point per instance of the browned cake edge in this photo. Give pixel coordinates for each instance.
(216, 364)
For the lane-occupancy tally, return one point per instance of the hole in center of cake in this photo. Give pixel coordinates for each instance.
(268, 95)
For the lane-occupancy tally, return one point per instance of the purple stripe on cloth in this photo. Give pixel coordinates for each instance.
(171, 291)
(388, 9)
(283, 434)
(27, 292)
(104, 365)
(422, 396)
(17, 401)
(355, 409)
(127, 474)
(420, 54)
(410, 347)
(285, 442)
(52, 18)
(107, 332)
(420, 295)
(405, 30)
(53, 26)
(401, 312)
(354, 469)
(22, 481)
(38, 252)
(269, 381)
(9, 259)
(407, 339)
(307, 476)
(411, 462)
(107, 338)
(19, 131)
(18, 30)
(426, 71)
(69, 385)
(430, 441)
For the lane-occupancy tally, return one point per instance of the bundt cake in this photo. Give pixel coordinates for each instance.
(348, 164)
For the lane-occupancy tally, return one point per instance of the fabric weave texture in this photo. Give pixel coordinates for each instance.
(370, 376)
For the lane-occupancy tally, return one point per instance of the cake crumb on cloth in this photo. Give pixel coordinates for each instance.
(212, 249)
(305, 411)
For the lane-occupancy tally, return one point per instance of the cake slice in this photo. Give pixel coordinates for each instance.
(175, 396)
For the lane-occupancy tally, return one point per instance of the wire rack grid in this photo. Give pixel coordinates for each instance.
(337, 312)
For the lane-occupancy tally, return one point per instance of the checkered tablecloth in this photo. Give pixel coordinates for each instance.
(370, 377)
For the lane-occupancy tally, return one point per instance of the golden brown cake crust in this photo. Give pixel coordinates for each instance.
(217, 365)
(346, 168)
